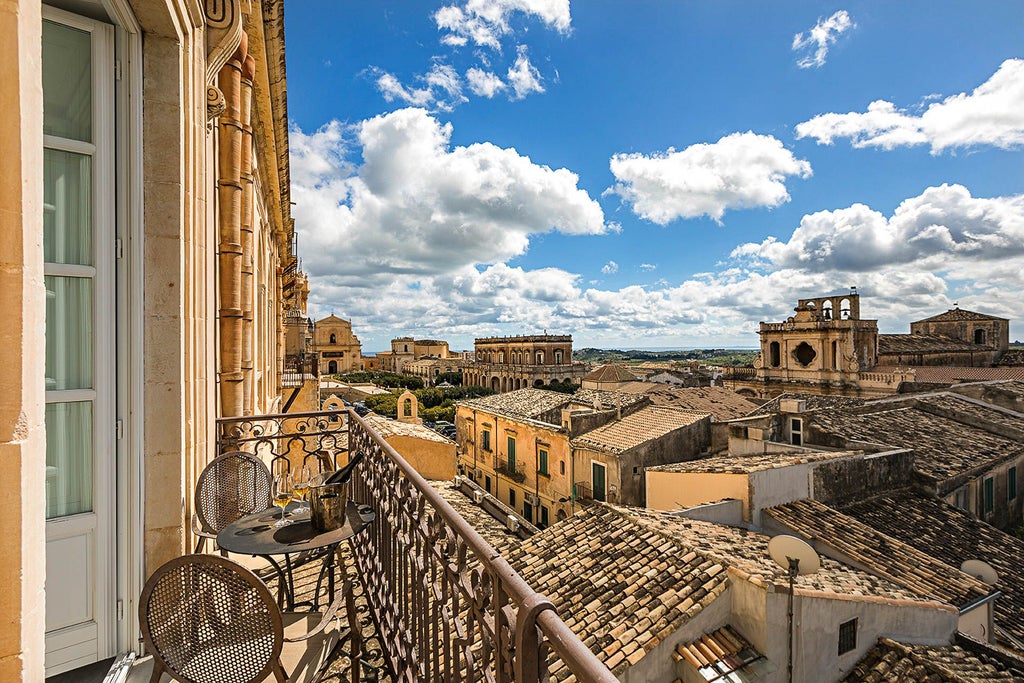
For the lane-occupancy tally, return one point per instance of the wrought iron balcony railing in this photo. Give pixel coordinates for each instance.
(513, 470)
(299, 368)
(445, 604)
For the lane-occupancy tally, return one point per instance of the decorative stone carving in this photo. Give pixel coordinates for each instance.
(214, 102)
(223, 32)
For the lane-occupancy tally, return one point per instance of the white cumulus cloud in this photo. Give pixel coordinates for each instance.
(740, 171)
(524, 76)
(993, 114)
(942, 228)
(418, 206)
(484, 83)
(441, 91)
(486, 22)
(815, 42)
(610, 268)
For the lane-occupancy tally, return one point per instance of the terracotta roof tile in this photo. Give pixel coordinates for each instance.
(636, 428)
(939, 374)
(811, 402)
(943, 448)
(723, 404)
(957, 314)
(606, 575)
(745, 464)
(883, 555)
(925, 343)
(952, 536)
(612, 372)
(964, 662)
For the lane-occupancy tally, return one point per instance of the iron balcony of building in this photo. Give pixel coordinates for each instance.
(513, 470)
(445, 604)
(582, 491)
(299, 368)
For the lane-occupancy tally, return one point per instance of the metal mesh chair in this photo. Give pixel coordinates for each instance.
(232, 486)
(207, 619)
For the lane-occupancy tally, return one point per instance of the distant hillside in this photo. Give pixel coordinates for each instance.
(634, 357)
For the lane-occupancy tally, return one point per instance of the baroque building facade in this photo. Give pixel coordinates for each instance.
(339, 349)
(828, 348)
(405, 350)
(521, 362)
(145, 150)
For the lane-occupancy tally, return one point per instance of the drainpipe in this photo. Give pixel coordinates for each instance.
(248, 72)
(229, 204)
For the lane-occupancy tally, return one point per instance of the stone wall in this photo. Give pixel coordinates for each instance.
(837, 482)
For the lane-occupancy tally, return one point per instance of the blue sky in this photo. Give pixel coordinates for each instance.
(653, 173)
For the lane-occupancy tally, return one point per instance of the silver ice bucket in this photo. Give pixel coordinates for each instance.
(327, 503)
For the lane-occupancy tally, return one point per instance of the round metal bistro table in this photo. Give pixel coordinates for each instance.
(256, 535)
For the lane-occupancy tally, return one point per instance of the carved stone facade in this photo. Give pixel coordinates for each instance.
(404, 350)
(827, 348)
(529, 361)
(339, 349)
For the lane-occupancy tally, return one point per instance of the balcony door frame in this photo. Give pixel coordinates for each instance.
(118, 481)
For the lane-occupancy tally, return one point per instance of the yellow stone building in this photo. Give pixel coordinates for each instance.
(147, 237)
(339, 349)
(522, 362)
(544, 453)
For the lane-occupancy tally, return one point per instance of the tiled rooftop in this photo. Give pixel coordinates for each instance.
(925, 343)
(957, 314)
(811, 402)
(723, 404)
(939, 374)
(745, 464)
(718, 654)
(893, 662)
(534, 403)
(387, 427)
(620, 587)
(493, 531)
(612, 372)
(747, 553)
(952, 536)
(943, 448)
(521, 403)
(972, 411)
(881, 554)
(636, 428)
(1012, 357)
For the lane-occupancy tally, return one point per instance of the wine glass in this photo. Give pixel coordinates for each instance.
(282, 496)
(301, 487)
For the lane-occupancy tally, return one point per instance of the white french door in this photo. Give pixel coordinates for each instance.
(79, 269)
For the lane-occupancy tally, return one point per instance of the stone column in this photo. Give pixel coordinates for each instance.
(229, 223)
(22, 359)
(247, 218)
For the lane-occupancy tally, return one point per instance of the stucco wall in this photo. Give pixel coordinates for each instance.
(432, 459)
(817, 620)
(675, 490)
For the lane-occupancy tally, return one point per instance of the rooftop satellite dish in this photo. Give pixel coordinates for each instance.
(788, 551)
(980, 570)
(797, 558)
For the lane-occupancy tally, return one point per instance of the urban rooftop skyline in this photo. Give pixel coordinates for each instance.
(653, 174)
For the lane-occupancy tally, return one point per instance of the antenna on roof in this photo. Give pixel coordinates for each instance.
(980, 570)
(798, 559)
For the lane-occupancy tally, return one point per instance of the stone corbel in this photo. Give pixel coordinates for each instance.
(223, 36)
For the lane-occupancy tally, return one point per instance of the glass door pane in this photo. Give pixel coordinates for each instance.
(68, 458)
(67, 82)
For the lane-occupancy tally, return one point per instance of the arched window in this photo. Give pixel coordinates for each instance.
(826, 310)
(407, 408)
(774, 354)
(332, 367)
(334, 339)
(844, 309)
(979, 336)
